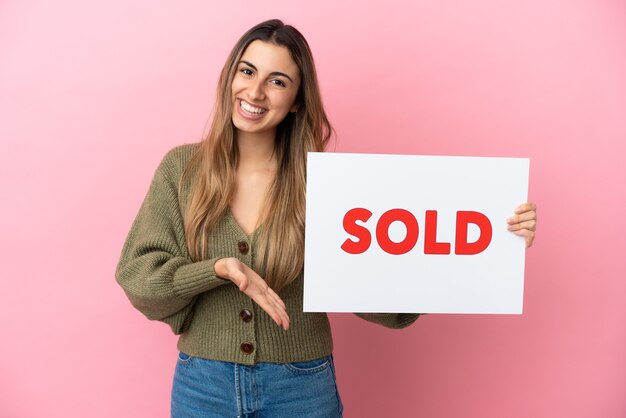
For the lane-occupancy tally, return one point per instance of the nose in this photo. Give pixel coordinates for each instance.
(256, 90)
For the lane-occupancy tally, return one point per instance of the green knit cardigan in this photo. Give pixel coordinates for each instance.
(213, 318)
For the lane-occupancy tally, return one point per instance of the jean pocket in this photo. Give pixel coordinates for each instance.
(184, 358)
(309, 367)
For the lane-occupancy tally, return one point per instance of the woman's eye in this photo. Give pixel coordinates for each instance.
(279, 83)
(246, 71)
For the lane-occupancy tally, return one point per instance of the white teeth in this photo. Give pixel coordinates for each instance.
(251, 109)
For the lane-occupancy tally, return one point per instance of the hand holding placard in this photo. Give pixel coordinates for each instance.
(524, 222)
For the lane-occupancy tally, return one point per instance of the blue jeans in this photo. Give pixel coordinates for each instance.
(211, 388)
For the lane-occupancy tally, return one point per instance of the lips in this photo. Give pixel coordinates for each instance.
(250, 112)
(253, 110)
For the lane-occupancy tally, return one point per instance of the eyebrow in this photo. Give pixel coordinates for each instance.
(278, 73)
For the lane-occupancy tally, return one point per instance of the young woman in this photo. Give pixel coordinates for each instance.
(217, 248)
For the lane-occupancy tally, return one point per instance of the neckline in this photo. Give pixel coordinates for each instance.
(238, 227)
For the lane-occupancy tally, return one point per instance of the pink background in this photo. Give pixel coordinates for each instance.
(93, 93)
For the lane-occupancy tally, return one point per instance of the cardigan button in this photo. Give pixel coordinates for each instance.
(245, 315)
(247, 348)
(243, 247)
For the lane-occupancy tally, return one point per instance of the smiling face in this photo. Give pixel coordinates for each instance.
(264, 88)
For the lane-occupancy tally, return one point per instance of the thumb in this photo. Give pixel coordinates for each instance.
(242, 280)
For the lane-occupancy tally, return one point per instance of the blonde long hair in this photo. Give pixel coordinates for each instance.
(212, 168)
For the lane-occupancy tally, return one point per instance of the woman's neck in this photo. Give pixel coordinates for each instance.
(256, 150)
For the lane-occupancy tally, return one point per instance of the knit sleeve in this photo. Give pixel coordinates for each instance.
(155, 269)
(390, 320)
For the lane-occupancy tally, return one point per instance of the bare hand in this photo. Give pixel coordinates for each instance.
(250, 283)
(524, 222)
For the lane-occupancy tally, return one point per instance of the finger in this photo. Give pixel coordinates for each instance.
(241, 280)
(259, 291)
(285, 316)
(279, 306)
(526, 216)
(282, 308)
(525, 207)
(272, 310)
(530, 225)
(268, 300)
(281, 311)
(529, 236)
(277, 298)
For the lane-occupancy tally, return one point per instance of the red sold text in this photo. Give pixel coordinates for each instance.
(431, 245)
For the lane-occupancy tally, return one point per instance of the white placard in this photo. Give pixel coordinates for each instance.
(344, 274)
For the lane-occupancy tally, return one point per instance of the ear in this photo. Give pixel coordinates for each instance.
(294, 108)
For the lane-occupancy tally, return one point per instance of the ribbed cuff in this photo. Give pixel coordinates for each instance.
(390, 320)
(195, 278)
